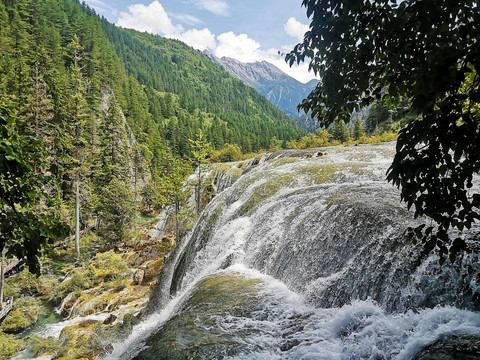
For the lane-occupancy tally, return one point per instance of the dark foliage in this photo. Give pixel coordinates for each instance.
(380, 50)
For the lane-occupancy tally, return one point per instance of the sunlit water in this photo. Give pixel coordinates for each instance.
(318, 267)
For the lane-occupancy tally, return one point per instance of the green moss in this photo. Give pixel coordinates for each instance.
(37, 346)
(320, 173)
(242, 164)
(24, 284)
(195, 334)
(264, 192)
(222, 292)
(9, 346)
(24, 314)
(284, 161)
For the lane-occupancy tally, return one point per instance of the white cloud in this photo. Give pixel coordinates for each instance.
(199, 39)
(245, 49)
(295, 28)
(101, 7)
(187, 19)
(152, 18)
(217, 7)
(299, 72)
(240, 47)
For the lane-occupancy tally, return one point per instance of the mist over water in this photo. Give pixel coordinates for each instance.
(306, 258)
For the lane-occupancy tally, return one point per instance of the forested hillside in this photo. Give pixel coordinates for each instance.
(240, 115)
(106, 112)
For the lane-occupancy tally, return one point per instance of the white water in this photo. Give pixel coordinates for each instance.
(325, 236)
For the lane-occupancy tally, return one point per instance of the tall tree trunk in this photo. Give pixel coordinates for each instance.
(135, 183)
(2, 278)
(198, 191)
(77, 214)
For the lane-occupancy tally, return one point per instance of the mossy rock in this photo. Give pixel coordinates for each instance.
(38, 346)
(24, 314)
(25, 283)
(194, 334)
(9, 346)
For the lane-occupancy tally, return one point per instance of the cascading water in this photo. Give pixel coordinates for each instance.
(306, 258)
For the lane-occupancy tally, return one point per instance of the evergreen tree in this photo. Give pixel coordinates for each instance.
(117, 211)
(339, 131)
(177, 194)
(358, 129)
(199, 159)
(77, 115)
(39, 113)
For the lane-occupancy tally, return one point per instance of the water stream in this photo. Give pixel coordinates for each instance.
(306, 258)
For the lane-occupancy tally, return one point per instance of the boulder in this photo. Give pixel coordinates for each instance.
(110, 320)
(138, 276)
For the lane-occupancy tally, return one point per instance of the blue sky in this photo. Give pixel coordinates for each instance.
(247, 30)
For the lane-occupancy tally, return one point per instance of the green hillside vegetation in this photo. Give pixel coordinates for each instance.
(113, 107)
(240, 114)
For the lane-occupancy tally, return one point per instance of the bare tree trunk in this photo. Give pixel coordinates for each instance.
(135, 184)
(2, 278)
(198, 192)
(77, 214)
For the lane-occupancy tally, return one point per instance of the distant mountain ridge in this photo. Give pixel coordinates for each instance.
(280, 89)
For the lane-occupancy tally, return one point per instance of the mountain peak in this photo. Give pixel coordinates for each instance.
(279, 88)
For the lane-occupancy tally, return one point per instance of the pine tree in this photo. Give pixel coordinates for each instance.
(77, 113)
(199, 159)
(141, 157)
(339, 131)
(39, 113)
(358, 129)
(177, 194)
(113, 142)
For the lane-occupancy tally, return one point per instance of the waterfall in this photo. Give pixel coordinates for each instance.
(311, 261)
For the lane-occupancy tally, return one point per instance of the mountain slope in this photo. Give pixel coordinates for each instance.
(280, 89)
(112, 108)
(170, 66)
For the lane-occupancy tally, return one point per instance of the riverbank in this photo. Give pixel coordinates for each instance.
(77, 308)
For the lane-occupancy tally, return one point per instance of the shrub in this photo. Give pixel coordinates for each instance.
(230, 152)
(76, 282)
(117, 282)
(25, 283)
(108, 264)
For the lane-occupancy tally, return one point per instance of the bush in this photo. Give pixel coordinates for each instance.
(230, 152)
(25, 283)
(47, 284)
(77, 281)
(109, 264)
(117, 282)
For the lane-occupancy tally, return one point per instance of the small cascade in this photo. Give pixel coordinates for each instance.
(318, 266)
(66, 300)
